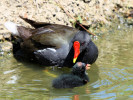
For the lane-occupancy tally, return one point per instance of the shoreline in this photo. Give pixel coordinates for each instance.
(93, 13)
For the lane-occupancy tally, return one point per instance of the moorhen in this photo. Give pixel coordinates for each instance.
(78, 77)
(52, 44)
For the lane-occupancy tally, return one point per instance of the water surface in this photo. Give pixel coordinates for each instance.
(111, 77)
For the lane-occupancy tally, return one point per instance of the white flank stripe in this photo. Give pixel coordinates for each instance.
(52, 49)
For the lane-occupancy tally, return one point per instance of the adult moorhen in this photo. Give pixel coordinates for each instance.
(53, 44)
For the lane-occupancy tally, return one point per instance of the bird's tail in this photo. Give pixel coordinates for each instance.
(34, 23)
(12, 27)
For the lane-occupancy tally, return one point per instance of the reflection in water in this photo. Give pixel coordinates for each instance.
(115, 66)
(110, 78)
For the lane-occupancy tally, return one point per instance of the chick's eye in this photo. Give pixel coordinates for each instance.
(82, 43)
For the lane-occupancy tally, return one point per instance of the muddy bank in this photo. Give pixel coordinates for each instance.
(92, 12)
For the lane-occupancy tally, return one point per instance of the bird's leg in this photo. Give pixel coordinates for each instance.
(53, 68)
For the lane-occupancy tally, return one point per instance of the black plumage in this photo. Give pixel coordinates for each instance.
(76, 78)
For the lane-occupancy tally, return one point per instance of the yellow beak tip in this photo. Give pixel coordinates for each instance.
(74, 60)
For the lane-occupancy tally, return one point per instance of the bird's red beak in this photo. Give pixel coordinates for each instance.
(76, 46)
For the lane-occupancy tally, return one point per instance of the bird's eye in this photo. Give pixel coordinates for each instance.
(82, 43)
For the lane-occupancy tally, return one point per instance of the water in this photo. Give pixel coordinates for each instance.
(111, 77)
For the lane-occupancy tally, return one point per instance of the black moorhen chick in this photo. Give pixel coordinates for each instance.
(53, 44)
(77, 77)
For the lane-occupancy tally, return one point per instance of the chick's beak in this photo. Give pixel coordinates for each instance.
(76, 47)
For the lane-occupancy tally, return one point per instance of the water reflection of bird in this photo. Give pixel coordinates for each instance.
(78, 77)
(52, 44)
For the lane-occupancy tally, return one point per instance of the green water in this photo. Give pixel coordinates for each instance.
(111, 77)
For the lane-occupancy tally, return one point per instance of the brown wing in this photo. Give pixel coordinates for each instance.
(49, 36)
(55, 35)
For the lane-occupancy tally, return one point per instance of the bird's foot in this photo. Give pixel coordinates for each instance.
(88, 66)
